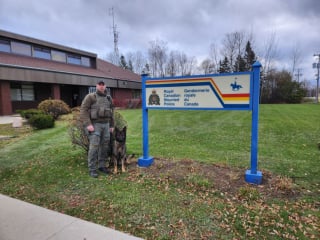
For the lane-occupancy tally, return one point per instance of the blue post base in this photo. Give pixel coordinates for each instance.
(145, 162)
(255, 178)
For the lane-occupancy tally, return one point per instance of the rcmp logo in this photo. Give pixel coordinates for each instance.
(154, 98)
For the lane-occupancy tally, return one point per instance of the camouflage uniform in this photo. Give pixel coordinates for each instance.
(97, 109)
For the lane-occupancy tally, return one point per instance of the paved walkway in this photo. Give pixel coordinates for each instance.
(22, 220)
(9, 119)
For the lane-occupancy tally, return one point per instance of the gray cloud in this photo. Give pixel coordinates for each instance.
(186, 25)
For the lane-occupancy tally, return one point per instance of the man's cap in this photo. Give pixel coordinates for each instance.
(101, 82)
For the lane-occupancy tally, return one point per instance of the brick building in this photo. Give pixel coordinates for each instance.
(33, 70)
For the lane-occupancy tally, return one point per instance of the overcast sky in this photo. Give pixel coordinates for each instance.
(189, 26)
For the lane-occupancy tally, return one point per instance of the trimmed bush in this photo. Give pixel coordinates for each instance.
(27, 114)
(41, 121)
(54, 107)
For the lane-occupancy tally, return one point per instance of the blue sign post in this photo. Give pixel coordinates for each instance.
(145, 160)
(235, 91)
(253, 175)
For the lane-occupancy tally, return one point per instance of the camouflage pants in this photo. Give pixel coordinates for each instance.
(99, 141)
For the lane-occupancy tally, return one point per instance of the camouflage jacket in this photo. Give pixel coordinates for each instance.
(97, 108)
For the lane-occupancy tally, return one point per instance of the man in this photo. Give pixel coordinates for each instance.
(96, 113)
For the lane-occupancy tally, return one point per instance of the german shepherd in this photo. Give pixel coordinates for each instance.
(119, 149)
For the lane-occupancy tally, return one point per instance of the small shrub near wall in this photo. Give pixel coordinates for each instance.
(28, 113)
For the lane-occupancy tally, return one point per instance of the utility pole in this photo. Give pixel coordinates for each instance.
(298, 74)
(115, 35)
(317, 66)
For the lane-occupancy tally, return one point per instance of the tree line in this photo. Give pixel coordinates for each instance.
(236, 54)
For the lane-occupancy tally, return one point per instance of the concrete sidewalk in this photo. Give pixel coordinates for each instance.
(9, 119)
(22, 220)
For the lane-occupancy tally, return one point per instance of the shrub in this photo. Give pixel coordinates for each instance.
(27, 114)
(41, 121)
(119, 121)
(76, 131)
(54, 107)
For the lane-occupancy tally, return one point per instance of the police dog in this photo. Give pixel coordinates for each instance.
(119, 149)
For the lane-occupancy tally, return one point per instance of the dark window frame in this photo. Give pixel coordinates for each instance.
(58, 56)
(22, 92)
(21, 48)
(5, 45)
(73, 59)
(41, 52)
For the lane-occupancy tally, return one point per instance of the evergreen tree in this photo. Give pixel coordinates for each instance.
(249, 57)
(224, 66)
(240, 64)
(282, 89)
(146, 69)
(123, 62)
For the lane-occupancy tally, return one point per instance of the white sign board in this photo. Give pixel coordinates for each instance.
(205, 92)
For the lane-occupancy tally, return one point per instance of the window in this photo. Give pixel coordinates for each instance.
(21, 48)
(74, 59)
(136, 93)
(22, 92)
(85, 61)
(92, 89)
(41, 52)
(58, 56)
(4, 45)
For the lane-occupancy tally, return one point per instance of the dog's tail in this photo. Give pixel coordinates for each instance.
(129, 157)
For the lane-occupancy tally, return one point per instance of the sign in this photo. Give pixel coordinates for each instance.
(200, 92)
(239, 91)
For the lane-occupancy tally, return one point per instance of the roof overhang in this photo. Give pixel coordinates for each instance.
(40, 75)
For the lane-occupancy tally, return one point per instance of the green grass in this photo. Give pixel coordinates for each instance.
(287, 144)
(45, 169)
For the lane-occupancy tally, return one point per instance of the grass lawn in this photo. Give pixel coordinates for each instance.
(182, 196)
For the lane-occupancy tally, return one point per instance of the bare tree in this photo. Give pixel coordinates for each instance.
(180, 64)
(192, 65)
(157, 57)
(207, 66)
(138, 61)
(269, 56)
(296, 60)
(186, 65)
(213, 55)
(113, 58)
(234, 45)
(172, 64)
